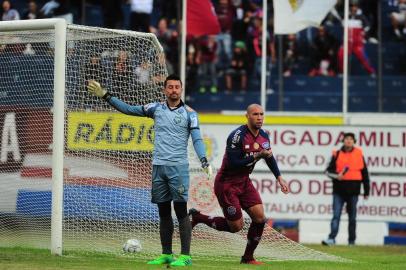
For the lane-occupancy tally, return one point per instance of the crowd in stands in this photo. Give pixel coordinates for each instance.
(231, 60)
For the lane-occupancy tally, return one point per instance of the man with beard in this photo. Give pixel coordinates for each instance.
(174, 123)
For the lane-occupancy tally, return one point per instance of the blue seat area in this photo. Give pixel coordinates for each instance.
(222, 101)
(397, 226)
(394, 95)
(101, 203)
(34, 203)
(395, 240)
(286, 224)
(314, 94)
(33, 76)
(37, 70)
(94, 15)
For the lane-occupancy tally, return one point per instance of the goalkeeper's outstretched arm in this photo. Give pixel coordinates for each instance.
(97, 90)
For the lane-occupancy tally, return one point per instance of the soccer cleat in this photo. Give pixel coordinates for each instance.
(163, 259)
(183, 260)
(253, 261)
(193, 212)
(329, 242)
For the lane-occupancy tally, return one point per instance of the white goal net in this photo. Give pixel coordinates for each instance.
(107, 155)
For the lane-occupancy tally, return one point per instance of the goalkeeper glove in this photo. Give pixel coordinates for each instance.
(95, 89)
(206, 167)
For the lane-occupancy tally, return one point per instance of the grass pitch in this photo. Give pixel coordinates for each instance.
(363, 257)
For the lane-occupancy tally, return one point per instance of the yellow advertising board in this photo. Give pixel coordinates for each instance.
(109, 131)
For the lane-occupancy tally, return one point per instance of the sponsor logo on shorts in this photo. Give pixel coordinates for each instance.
(181, 189)
(231, 210)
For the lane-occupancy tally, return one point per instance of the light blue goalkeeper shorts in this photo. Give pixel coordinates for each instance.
(170, 183)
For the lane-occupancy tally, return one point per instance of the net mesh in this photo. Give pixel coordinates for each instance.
(107, 160)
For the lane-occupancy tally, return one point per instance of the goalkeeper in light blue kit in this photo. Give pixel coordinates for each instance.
(174, 122)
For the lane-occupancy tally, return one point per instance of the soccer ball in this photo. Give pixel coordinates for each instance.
(132, 246)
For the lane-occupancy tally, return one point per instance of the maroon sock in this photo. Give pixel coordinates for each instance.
(218, 223)
(254, 236)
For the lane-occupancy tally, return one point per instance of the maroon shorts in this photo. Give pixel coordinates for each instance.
(234, 195)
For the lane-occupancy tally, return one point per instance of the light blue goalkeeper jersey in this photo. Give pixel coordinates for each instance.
(172, 130)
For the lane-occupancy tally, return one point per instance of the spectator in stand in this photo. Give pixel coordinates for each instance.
(9, 14)
(255, 38)
(57, 9)
(290, 49)
(225, 15)
(206, 59)
(191, 63)
(93, 69)
(168, 9)
(143, 72)
(112, 14)
(122, 73)
(357, 26)
(141, 15)
(169, 41)
(399, 19)
(32, 11)
(238, 67)
(370, 9)
(335, 15)
(241, 21)
(323, 54)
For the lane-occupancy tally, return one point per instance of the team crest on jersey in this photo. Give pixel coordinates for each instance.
(231, 210)
(265, 145)
(256, 146)
(180, 110)
(177, 119)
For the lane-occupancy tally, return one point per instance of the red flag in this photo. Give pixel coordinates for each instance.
(201, 18)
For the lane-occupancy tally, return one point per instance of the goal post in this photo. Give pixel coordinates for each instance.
(55, 37)
(59, 26)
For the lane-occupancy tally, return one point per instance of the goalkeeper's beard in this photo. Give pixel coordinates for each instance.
(174, 97)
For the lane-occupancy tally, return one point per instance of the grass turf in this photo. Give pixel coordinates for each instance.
(364, 257)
